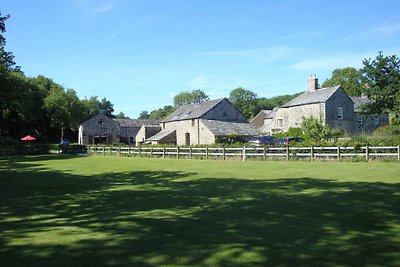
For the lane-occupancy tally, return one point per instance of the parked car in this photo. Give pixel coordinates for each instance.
(262, 140)
(286, 140)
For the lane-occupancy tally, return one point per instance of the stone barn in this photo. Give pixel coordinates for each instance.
(203, 123)
(101, 129)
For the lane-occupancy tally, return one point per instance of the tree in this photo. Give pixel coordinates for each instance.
(349, 78)
(144, 115)
(161, 112)
(245, 101)
(107, 107)
(63, 108)
(121, 115)
(382, 84)
(194, 97)
(315, 130)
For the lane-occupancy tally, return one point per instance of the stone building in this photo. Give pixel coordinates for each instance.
(331, 105)
(258, 120)
(367, 123)
(101, 129)
(203, 124)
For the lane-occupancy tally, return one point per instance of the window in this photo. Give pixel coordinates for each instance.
(279, 123)
(376, 118)
(340, 113)
(360, 120)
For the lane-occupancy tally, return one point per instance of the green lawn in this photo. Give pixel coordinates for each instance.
(119, 211)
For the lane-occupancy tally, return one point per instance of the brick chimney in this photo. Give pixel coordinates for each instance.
(312, 83)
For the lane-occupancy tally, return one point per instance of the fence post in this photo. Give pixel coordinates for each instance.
(264, 153)
(312, 153)
(163, 152)
(206, 152)
(151, 152)
(398, 153)
(104, 150)
(338, 153)
(140, 152)
(367, 153)
(129, 150)
(287, 152)
(244, 153)
(119, 151)
(177, 152)
(223, 153)
(190, 152)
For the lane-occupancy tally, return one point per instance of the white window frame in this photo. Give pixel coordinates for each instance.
(279, 123)
(360, 120)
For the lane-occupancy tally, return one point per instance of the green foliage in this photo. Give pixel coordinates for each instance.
(245, 101)
(144, 115)
(194, 97)
(161, 112)
(276, 101)
(316, 131)
(349, 78)
(292, 132)
(230, 139)
(382, 78)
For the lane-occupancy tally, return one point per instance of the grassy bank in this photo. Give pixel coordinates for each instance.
(116, 211)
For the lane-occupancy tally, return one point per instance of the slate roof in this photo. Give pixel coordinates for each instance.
(359, 101)
(272, 113)
(320, 95)
(221, 128)
(160, 135)
(135, 122)
(192, 111)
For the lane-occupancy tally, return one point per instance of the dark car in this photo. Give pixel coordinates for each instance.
(286, 140)
(262, 140)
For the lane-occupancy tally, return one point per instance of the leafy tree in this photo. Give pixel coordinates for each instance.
(107, 107)
(276, 101)
(121, 115)
(349, 78)
(63, 108)
(161, 112)
(315, 130)
(245, 101)
(144, 115)
(382, 78)
(194, 97)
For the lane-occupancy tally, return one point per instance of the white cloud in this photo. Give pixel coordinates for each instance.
(384, 29)
(103, 7)
(259, 55)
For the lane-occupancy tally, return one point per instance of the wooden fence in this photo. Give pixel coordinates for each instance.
(367, 153)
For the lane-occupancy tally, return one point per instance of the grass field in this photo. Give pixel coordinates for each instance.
(117, 211)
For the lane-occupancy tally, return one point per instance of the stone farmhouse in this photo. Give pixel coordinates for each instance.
(331, 105)
(104, 130)
(202, 123)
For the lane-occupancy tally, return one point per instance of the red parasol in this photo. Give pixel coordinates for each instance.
(28, 138)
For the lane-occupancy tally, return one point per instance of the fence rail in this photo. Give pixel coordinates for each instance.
(311, 153)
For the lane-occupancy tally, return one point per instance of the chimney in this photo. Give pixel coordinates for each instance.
(312, 83)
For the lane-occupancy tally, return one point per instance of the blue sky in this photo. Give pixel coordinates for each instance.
(140, 53)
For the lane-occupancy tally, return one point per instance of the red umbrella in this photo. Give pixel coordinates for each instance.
(28, 138)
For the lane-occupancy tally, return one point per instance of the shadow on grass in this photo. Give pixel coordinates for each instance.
(147, 218)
